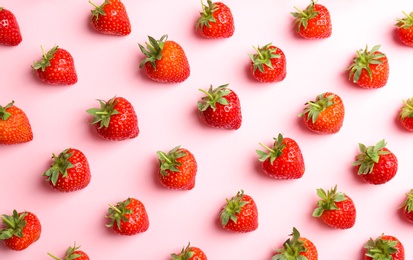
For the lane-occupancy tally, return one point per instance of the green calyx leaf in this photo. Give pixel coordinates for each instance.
(59, 167)
(328, 200)
(1, 9)
(302, 16)
(13, 225)
(274, 152)
(408, 203)
(185, 254)
(362, 62)
(405, 22)
(4, 115)
(292, 248)
(381, 248)
(232, 208)
(117, 213)
(214, 96)
(102, 115)
(206, 15)
(369, 156)
(45, 61)
(407, 109)
(153, 51)
(263, 57)
(169, 161)
(69, 254)
(314, 109)
(98, 10)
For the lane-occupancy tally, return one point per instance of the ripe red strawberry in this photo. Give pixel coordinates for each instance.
(407, 207)
(115, 119)
(325, 115)
(370, 69)
(297, 248)
(14, 125)
(314, 22)
(406, 114)
(190, 253)
(9, 28)
(404, 29)
(284, 160)
(336, 209)
(239, 214)
(128, 217)
(73, 253)
(20, 230)
(221, 108)
(269, 64)
(384, 247)
(216, 21)
(111, 18)
(165, 61)
(376, 164)
(177, 169)
(69, 171)
(56, 67)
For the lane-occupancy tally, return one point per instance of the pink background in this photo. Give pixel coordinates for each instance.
(227, 162)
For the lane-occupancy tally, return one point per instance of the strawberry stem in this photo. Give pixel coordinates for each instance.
(54, 257)
(163, 155)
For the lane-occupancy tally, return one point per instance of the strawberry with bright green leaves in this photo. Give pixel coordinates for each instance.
(10, 34)
(325, 115)
(220, 108)
(15, 126)
(189, 253)
(115, 120)
(384, 247)
(72, 253)
(165, 61)
(370, 68)
(57, 67)
(407, 207)
(177, 169)
(111, 18)
(239, 214)
(283, 160)
(376, 164)
(314, 22)
(69, 171)
(20, 230)
(128, 217)
(216, 21)
(335, 209)
(404, 29)
(296, 248)
(406, 114)
(268, 64)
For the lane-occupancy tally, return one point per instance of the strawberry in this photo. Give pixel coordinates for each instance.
(115, 119)
(9, 28)
(284, 159)
(111, 18)
(216, 21)
(406, 115)
(69, 171)
(239, 214)
(20, 230)
(269, 64)
(128, 217)
(14, 125)
(407, 207)
(56, 67)
(190, 253)
(221, 108)
(314, 22)
(335, 209)
(177, 169)
(369, 69)
(165, 61)
(404, 29)
(325, 115)
(73, 253)
(296, 248)
(384, 247)
(376, 164)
